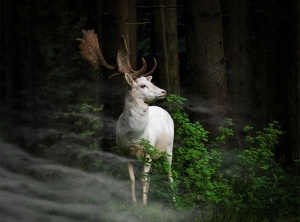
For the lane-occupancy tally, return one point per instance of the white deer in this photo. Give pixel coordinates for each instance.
(138, 120)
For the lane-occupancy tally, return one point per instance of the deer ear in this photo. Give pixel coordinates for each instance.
(149, 78)
(129, 79)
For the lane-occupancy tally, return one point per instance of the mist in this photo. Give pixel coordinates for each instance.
(35, 189)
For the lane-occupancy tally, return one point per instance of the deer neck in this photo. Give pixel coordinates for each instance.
(135, 113)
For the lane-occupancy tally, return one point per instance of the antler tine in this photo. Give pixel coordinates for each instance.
(137, 74)
(90, 50)
(123, 61)
(152, 70)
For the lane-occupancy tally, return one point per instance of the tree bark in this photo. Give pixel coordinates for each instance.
(7, 68)
(294, 89)
(206, 63)
(99, 80)
(32, 80)
(240, 79)
(115, 16)
(131, 28)
(166, 45)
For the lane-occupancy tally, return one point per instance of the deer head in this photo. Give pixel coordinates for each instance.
(91, 52)
(143, 89)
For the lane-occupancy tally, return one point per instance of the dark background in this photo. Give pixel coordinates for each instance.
(229, 58)
(42, 73)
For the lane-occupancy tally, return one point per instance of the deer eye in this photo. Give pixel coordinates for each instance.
(143, 86)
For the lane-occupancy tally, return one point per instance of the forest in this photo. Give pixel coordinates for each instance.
(231, 72)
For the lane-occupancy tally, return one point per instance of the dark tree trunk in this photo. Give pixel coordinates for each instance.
(32, 78)
(294, 89)
(166, 45)
(240, 79)
(276, 60)
(99, 80)
(115, 16)
(131, 28)
(206, 63)
(7, 62)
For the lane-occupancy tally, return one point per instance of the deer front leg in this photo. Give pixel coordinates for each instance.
(132, 179)
(145, 179)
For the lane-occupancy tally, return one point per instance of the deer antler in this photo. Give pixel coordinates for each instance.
(90, 51)
(152, 70)
(123, 61)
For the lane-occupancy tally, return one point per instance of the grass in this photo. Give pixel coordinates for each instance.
(152, 212)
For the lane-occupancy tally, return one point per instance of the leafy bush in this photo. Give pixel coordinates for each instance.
(161, 169)
(71, 136)
(223, 183)
(84, 122)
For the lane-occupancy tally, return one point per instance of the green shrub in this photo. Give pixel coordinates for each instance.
(223, 183)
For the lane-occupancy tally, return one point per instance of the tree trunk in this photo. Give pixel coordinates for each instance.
(131, 28)
(115, 16)
(166, 45)
(99, 80)
(206, 63)
(32, 65)
(240, 79)
(7, 68)
(294, 89)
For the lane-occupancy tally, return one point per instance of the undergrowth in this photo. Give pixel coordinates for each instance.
(222, 183)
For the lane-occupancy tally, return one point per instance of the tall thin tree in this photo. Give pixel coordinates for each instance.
(114, 19)
(294, 88)
(166, 44)
(206, 63)
(240, 78)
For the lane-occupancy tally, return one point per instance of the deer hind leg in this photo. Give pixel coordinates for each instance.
(169, 158)
(132, 179)
(145, 180)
